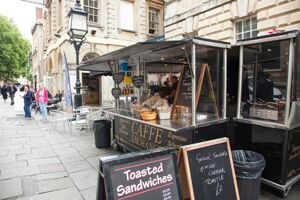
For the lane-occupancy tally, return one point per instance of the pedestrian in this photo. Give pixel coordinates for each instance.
(27, 102)
(42, 100)
(4, 92)
(12, 91)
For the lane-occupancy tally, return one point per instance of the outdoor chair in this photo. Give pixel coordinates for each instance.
(59, 118)
(79, 120)
(93, 116)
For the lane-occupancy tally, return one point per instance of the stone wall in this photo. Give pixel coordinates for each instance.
(215, 20)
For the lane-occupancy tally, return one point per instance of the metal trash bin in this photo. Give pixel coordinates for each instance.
(248, 167)
(101, 130)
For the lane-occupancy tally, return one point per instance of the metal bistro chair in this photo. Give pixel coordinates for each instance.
(93, 116)
(59, 117)
(80, 117)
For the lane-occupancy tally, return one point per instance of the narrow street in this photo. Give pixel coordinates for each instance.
(37, 165)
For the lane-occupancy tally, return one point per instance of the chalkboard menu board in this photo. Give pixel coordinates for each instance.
(183, 94)
(138, 81)
(207, 171)
(118, 77)
(146, 175)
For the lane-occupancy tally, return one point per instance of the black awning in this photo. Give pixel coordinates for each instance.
(149, 52)
(97, 67)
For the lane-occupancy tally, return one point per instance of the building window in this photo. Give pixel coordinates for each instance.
(246, 28)
(91, 7)
(126, 15)
(154, 21)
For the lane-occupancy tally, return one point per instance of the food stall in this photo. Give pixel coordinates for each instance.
(268, 106)
(194, 111)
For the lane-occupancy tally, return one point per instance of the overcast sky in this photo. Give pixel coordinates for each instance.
(22, 13)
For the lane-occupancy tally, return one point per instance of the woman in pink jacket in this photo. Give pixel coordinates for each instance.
(42, 100)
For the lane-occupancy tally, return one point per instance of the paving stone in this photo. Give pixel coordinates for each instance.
(3, 153)
(85, 179)
(73, 138)
(84, 145)
(67, 158)
(30, 186)
(28, 156)
(19, 151)
(60, 146)
(8, 159)
(36, 145)
(65, 194)
(77, 166)
(54, 184)
(68, 150)
(54, 175)
(24, 171)
(14, 165)
(49, 168)
(89, 194)
(95, 152)
(43, 149)
(10, 188)
(11, 147)
(43, 161)
(94, 161)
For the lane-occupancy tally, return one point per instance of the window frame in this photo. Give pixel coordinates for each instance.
(161, 17)
(94, 8)
(251, 30)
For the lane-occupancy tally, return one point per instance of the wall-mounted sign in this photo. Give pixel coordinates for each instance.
(206, 171)
(118, 77)
(146, 175)
(138, 81)
(116, 92)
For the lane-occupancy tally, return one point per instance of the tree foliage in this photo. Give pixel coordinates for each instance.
(14, 50)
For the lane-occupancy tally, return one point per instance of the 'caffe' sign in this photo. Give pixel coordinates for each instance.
(136, 136)
(150, 176)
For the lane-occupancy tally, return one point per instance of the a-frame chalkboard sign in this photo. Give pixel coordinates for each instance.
(206, 171)
(183, 95)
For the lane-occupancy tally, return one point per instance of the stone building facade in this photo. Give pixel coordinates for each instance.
(229, 20)
(37, 47)
(112, 24)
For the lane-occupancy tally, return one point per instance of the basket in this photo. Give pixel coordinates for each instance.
(147, 116)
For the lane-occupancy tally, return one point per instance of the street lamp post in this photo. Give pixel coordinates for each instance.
(77, 31)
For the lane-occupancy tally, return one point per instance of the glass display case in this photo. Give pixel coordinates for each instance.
(269, 82)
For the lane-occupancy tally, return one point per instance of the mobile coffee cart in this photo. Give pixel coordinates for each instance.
(268, 106)
(198, 112)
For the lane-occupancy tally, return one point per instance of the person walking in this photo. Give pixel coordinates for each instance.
(42, 100)
(27, 102)
(4, 93)
(12, 91)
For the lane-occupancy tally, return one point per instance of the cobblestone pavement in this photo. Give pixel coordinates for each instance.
(37, 165)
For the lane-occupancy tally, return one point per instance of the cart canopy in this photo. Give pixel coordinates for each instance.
(166, 52)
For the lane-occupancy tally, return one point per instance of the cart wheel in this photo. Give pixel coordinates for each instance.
(115, 146)
(284, 193)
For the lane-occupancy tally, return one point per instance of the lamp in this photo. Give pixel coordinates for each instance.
(77, 23)
(77, 31)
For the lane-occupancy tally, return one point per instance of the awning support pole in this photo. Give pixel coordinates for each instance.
(239, 97)
(193, 70)
(289, 82)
